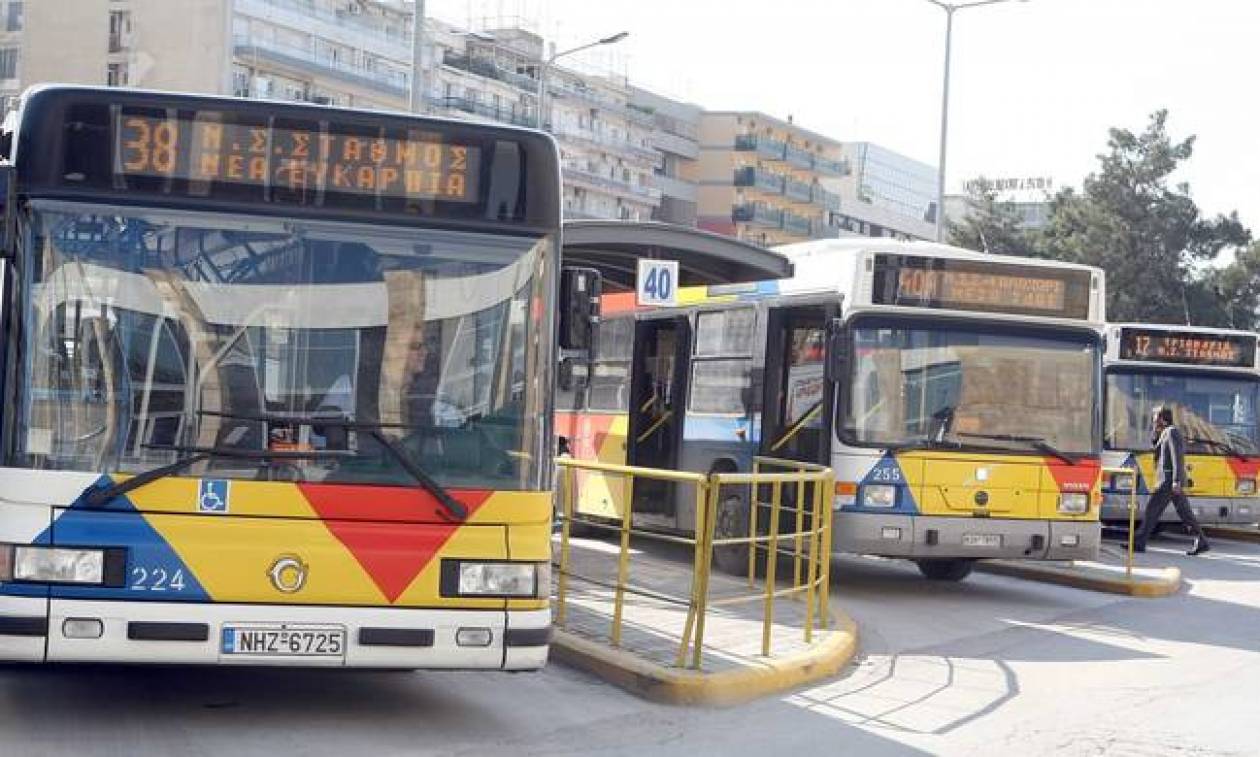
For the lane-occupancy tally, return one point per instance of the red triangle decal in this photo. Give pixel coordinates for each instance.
(393, 533)
(1080, 477)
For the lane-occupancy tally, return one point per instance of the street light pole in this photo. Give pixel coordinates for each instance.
(416, 99)
(546, 63)
(940, 170)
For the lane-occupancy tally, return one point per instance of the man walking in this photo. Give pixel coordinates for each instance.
(1170, 471)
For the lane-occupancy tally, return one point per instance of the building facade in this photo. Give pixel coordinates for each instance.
(886, 194)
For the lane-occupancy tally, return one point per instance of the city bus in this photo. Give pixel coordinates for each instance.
(276, 383)
(1209, 378)
(955, 395)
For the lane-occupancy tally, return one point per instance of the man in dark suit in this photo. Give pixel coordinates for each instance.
(1170, 472)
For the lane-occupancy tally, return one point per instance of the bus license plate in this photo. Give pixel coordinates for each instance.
(982, 540)
(284, 641)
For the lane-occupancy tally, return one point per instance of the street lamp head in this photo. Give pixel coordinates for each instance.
(614, 38)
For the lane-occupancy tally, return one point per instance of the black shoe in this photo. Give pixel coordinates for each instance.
(1200, 546)
(1139, 549)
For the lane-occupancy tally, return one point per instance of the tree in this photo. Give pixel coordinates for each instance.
(1151, 238)
(991, 226)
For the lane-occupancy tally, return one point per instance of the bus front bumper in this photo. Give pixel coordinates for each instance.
(1210, 511)
(41, 630)
(949, 537)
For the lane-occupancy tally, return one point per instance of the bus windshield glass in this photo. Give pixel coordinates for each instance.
(965, 388)
(1216, 414)
(155, 334)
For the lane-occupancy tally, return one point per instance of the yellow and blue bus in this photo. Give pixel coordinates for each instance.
(1209, 378)
(955, 394)
(277, 385)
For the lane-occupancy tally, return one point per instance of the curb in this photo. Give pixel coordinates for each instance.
(1167, 582)
(1251, 535)
(689, 687)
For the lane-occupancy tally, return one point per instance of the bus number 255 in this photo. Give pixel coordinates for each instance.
(156, 579)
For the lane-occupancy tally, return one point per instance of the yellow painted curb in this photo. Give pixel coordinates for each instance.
(1166, 582)
(675, 686)
(1235, 534)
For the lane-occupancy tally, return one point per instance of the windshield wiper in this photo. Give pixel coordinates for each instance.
(1036, 442)
(454, 509)
(1229, 449)
(96, 497)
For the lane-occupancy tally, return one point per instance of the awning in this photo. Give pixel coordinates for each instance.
(614, 247)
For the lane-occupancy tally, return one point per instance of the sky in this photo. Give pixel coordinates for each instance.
(1034, 85)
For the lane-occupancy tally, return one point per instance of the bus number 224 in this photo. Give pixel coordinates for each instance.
(156, 579)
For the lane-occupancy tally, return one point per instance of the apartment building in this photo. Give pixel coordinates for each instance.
(761, 179)
(675, 135)
(886, 194)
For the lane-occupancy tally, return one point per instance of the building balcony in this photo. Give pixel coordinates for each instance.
(824, 229)
(675, 144)
(799, 191)
(828, 200)
(798, 225)
(597, 98)
(799, 157)
(602, 183)
(757, 213)
(301, 59)
(485, 110)
(345, 27)
(672, 186)
(605, 142)
(831, 167)
(767, 148)
(488, 69)
(751, 176)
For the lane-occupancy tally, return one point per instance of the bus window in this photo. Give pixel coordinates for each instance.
(721, 374)
(610, 370)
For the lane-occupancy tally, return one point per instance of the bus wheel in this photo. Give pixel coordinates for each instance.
(732, 522)
(946, 570)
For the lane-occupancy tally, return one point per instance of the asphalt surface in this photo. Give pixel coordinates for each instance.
(993, 665)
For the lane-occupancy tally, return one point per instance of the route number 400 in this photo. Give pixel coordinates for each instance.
(658, 283)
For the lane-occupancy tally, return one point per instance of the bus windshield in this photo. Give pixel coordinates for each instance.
(1216, 414)
(971, 388)
(152, 334)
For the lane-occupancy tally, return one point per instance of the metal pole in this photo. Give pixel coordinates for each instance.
(542, 91)
(416, 101)
(940, 175)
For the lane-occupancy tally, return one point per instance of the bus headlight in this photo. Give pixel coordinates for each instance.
(1245, 486)
(470, 578)
(879, 495)
(1073, 503)
(1123, 482)
(56, 565)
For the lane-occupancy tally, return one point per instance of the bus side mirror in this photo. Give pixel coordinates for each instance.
(579, 309)
(573, 375)
(836, 362)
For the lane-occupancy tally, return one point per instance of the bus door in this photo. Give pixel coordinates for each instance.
(658, 392)
(797, 405)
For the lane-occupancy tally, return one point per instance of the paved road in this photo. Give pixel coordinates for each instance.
(990, 666)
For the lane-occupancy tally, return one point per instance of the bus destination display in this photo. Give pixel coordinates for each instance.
(206, 150)
(1229, 350)
(963, 285)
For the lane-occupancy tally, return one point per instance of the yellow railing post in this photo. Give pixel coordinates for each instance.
(1128, 566)
(754, 511)
(704, 543)
(800, 526)
(824, 594)
(623, 558)
(811, 588)
(566, 507)
(772, 554)
(701, 523)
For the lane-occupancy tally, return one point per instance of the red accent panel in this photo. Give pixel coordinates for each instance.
(1244, 468)
(392, 552)
(612, 303)
(1075, 478)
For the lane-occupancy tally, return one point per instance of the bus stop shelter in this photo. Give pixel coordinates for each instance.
(614, 248)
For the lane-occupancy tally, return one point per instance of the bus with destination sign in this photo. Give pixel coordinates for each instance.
(1210, 380)
(277, 381)
(955, 395)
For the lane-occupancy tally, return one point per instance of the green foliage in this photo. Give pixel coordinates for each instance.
(1149, 235)
(991, 226)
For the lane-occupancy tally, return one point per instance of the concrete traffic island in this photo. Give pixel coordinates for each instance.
(1107, 574)
(653, 621)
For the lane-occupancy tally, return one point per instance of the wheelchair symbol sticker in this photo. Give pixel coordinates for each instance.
(212, 496)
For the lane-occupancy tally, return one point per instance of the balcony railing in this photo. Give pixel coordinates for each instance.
(823, 229)
(650, 195)
(751, 176)
(597, 98)
(799, 157)
(488, 69)
(354, 22)
(828, 200)
(794, 224)
(758, 213)
(798, 190)
(486, 110)
(392, 82)
(831, 167)
(600, 140)
(767, 148)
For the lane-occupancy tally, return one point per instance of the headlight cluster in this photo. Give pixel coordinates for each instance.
(879, 495)
(1123, 482)
(1245, 486)
(1073, 503)
(474, 578)
(35, 563)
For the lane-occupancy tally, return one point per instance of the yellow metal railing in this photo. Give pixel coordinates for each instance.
(811, 541)
(1133, 507)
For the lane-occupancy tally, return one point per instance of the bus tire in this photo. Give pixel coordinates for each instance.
(732, 521)
(955, 569)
